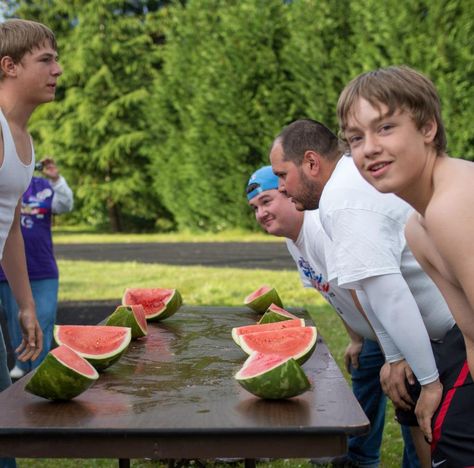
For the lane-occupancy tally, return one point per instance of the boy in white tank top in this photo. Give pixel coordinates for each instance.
(28, 76)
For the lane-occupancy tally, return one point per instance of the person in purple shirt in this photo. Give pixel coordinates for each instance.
(44, 197)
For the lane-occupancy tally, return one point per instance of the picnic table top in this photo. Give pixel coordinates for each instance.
(173, 394)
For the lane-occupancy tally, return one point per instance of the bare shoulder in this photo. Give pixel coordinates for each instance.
(449, 217)
(453, 183)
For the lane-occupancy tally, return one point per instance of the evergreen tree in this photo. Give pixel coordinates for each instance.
(315, 59)
(434, 37)
(218, 107)
(99, 129)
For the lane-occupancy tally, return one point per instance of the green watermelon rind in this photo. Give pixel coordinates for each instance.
(261, 303)
(105, 360)
(171, 307)
(300, 358)
(123, 316)
(272, 315)
(54, 380)
(286, 380)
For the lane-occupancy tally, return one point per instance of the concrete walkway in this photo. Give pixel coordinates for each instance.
(265, 255)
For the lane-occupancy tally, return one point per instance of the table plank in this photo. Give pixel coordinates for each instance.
(173, 395)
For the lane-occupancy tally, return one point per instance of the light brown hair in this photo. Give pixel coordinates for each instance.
(18, 37)
(398, 88)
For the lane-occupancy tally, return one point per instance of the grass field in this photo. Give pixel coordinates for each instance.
(205, 286)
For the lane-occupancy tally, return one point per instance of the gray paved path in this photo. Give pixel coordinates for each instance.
(265, 255)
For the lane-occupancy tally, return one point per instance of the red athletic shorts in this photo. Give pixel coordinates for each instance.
(453, 422)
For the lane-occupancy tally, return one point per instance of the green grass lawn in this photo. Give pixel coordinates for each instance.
(81, 280)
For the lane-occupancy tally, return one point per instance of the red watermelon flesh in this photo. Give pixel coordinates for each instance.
(296, 342)
(153, 300)
(101, 345)
(260, 363)
(70, 358)
(257, 293)
(139, 313)
(281, 311)
(244, 330)
(91, 339)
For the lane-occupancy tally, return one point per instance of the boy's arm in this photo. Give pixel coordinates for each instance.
(14, 266)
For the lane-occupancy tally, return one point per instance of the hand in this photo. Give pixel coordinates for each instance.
(393, 381)
(50, 170)
(430, 398)
(32, 342)
(351, 354)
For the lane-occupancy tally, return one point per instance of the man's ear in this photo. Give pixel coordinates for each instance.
(312, 162)
(7, 66)
(429, 130)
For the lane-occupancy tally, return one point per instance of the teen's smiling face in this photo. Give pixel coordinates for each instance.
(276, 214)
(388, 149)
(38, 72)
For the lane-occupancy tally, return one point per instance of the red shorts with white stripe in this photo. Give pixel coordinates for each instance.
(453, 422)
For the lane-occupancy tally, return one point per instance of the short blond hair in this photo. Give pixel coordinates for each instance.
(397, 87)
(18, 37)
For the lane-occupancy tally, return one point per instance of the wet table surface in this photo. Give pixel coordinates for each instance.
(173, 396)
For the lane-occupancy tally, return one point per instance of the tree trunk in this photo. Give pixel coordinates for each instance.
(115, 218)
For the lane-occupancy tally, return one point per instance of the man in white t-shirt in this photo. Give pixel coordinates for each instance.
(363, 358)
(366, 251)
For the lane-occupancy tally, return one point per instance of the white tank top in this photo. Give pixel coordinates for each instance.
(14, 180)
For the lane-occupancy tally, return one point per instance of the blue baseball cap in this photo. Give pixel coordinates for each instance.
(261, 180)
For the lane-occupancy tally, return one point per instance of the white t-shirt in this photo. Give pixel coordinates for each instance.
(14, 180)
(366, 240)
(308, 254)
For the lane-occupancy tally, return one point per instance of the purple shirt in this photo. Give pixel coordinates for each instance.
(36, 217)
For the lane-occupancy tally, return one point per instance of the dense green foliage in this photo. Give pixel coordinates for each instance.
(165, 108)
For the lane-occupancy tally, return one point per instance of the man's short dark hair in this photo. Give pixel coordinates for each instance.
(306, 134)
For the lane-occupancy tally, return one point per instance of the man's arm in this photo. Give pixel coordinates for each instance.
(14, 266)
(63, 199)
(398, 312)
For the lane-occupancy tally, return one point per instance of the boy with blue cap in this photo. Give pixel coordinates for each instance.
(363, 358)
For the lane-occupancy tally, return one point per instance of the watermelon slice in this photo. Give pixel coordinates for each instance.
(130, 316)
(238, 331)
(158, 303)
(62, 375)
(101, 345)
(276, 314)
(262, 298)
(296, 342)
(272, 376)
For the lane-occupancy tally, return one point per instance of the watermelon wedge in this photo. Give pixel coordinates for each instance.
(158, 303)
(296, 342)
(62, 375)
(239, 331)
(101, 345)
(262, 298)
(130, 316)
(276, 313)
(272, 376)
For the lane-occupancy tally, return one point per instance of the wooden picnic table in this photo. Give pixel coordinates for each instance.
(173, 396)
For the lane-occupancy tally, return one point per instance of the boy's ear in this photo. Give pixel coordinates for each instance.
(7, 66)
(429, 130)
